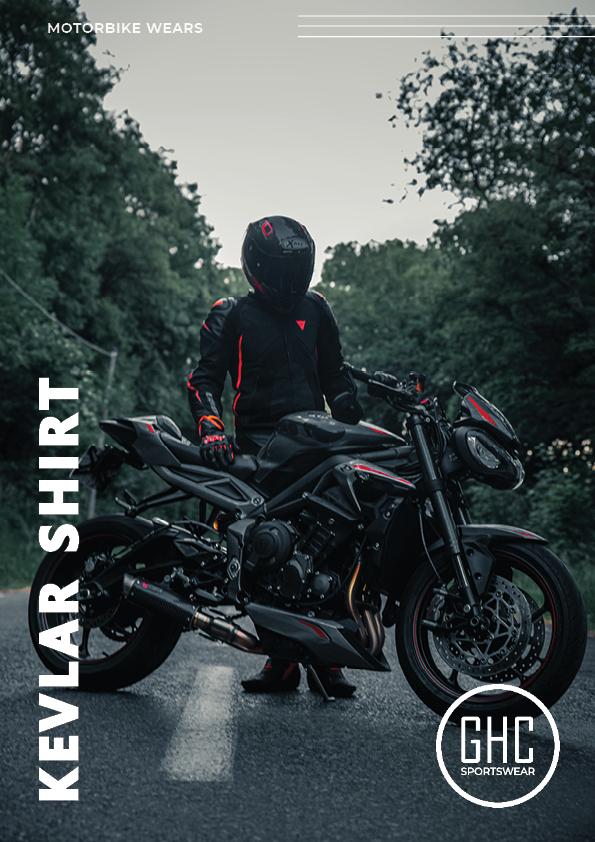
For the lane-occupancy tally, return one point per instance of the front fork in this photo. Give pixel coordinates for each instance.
(435, 488)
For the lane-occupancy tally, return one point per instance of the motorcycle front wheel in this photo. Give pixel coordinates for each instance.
(118, 642)
(535, 641)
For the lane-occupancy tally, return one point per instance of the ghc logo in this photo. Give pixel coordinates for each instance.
(481, 749)
(487, 770)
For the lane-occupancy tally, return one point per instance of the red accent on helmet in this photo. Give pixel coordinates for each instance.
(278, 261)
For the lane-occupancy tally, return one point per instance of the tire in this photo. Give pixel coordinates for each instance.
(125, 643)
(538, 648)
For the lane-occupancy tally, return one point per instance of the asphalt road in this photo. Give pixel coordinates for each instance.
(186, 755)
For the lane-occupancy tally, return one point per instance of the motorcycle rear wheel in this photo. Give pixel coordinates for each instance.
(548, 602)
(120, 643)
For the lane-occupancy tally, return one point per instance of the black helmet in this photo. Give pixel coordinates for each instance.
(278, 260)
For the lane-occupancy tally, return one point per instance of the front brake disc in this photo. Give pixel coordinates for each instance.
(508, 613)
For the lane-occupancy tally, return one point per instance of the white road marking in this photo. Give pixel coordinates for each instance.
(203, 745)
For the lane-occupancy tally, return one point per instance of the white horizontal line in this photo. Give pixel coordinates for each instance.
(469, 35)
(414, 25)
(541, 17)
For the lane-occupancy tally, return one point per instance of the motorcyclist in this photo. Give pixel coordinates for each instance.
(280, 346)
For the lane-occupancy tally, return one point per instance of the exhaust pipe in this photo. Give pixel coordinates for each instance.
(182, 611)
(370, 628)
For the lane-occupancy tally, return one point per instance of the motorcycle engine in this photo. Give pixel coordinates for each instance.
(283, 560)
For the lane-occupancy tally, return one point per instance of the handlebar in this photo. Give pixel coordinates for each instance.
(358, 373)
(416, 382)
(400, 394)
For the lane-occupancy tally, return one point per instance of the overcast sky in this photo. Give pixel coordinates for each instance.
(269, 123)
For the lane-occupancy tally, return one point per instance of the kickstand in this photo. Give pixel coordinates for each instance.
(314, 676)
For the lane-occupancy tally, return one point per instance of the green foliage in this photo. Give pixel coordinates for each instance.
(96, 228)
(511, 132)
(382, 297)
(558, 504)
(509, 118)
(510, 327)
(503, 297)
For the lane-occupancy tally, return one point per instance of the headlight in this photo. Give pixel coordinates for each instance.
(486, 459)
(481, 454)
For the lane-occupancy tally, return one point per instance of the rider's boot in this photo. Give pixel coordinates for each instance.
(333, 681)
(276, 676)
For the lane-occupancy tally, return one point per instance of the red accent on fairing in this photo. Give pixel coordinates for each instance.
(205, 325)
(239, 380)
(266, 231)
(527, 534)
(376, 429)
(382, 474)
(151, 430)
(318, 631)
(301, 325)
(482, 412)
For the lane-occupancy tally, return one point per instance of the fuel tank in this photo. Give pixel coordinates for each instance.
(303, 440)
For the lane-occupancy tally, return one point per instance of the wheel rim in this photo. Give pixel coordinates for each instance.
(529, 594)
(106, 625)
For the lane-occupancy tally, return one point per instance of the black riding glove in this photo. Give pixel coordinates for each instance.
(386, 379)
(217, 451)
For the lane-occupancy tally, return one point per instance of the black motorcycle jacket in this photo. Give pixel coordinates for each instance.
(278, 362)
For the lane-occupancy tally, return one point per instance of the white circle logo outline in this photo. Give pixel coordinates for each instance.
(497, 804)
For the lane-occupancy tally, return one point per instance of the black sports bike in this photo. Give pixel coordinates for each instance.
(327, 537)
